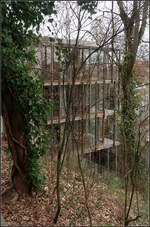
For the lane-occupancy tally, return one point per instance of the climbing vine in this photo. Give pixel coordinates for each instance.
(130, 104)
(23, 81)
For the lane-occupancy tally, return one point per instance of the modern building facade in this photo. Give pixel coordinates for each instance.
(80, 83)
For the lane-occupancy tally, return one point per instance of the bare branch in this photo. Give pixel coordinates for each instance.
(123, 14)
(145, 12)
(145, 41)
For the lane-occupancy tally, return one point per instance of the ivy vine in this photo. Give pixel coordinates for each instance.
(18, 74)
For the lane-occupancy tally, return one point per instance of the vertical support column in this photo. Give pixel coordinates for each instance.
(95, 127)
(82, 114)
(41, 58)
(114, 126)
(82, 74)
(116, 160)
(119, 82)
(104, 76)
(112, 68)
(51, 87)
(103, 130)
(112, 42)
(49, 61)
(108, 159)
(59, 126)
(95, 115)
(99, 164)
(45, 61)
(98, 65)
(89, 65)
(89, 100)
(89, 122)
(79, 113)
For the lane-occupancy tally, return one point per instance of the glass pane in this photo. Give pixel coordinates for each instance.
(94, 58)
(48, 55)
(100, 98)
(62, 101)
(92, 99)
(99, 130)
(38, 56)
(85, 54)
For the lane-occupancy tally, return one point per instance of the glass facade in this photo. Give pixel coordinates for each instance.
(84, 100)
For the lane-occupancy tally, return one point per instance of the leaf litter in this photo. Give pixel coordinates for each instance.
(39, 210)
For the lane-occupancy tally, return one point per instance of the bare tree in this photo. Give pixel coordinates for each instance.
(74, 19)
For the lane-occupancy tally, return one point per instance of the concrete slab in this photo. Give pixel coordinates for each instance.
(108, 143)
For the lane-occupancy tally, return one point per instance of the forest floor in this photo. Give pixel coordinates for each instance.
(105, 199)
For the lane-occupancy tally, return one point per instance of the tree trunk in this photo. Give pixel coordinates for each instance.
(128, 109)
(15, 125)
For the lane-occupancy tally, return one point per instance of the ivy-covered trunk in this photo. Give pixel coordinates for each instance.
(129, 105)
(15, 126)
(134, 26)
(129, 118)
(24, 109)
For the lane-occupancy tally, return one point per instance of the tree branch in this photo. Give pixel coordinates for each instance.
(145, 12)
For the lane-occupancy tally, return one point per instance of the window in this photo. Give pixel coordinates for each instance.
(92, 99)
(94, 58)
(38, 56)
(48, 55)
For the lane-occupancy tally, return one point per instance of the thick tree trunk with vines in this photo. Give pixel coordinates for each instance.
(14, 125)
(127, 105)
(134, 26)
